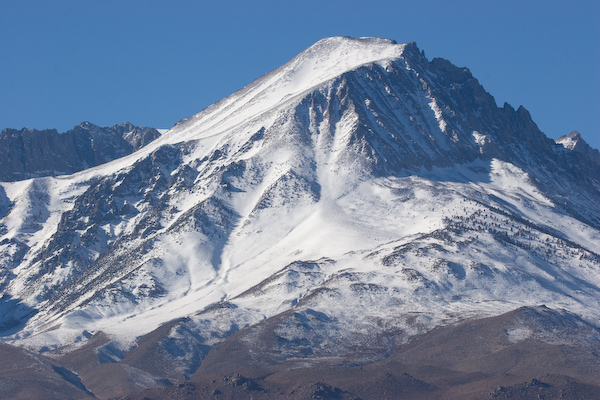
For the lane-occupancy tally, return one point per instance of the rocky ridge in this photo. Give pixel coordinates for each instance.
(29, 153)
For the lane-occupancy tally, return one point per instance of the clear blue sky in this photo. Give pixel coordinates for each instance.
(155, 62)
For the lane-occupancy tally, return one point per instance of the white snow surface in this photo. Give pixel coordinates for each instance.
(569, 141)
(320, 63)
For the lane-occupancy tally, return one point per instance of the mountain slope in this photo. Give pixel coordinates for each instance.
(521, 354)
(24, 375)
(355, 197)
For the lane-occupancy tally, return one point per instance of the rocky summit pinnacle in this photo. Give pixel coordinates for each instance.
(323, 221)
(575, 142)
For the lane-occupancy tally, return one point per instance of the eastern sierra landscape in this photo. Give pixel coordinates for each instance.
(360, 223)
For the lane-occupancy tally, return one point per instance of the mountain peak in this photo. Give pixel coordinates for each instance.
(573, 141)
(333, 56)
(320, 63)
(86, 125)
(335, 41)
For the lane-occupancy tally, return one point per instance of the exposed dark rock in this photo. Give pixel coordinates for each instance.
(29, 153)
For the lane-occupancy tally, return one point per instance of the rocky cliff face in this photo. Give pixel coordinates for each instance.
(30, 153)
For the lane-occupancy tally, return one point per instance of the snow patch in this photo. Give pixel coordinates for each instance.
(519, 334)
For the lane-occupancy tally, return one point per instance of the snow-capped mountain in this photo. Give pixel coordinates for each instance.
(340, 205)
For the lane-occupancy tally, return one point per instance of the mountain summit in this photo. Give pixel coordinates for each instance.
(575, 142)
(329, 213)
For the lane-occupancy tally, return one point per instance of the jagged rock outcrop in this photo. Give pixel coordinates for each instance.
(575, 142)
(29, 153)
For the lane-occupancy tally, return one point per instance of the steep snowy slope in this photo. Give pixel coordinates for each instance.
(356, 196)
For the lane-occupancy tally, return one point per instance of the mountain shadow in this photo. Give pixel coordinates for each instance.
(14, 314)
